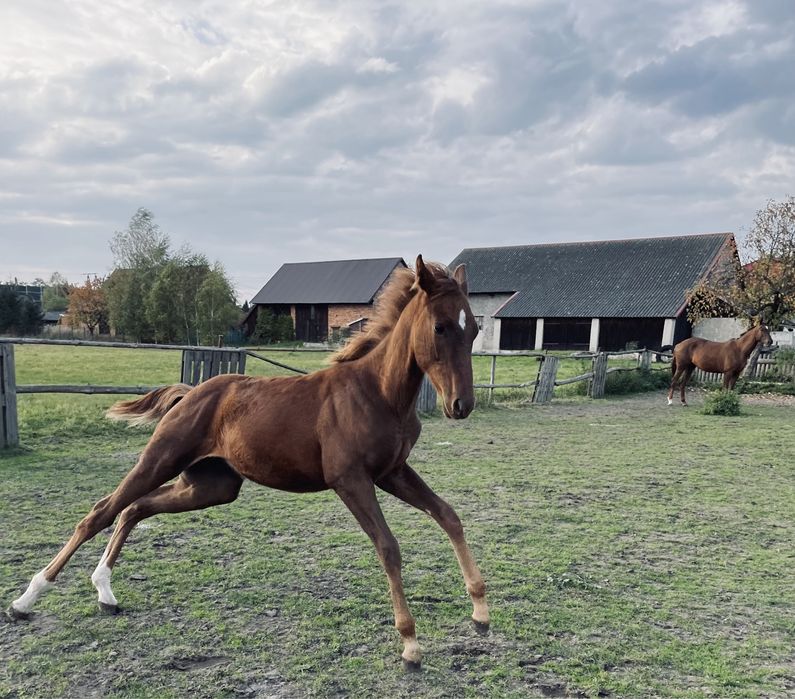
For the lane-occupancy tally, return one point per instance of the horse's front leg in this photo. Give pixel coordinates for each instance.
(358, 494)
(406, 484)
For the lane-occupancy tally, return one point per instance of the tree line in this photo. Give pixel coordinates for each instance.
(153, 294)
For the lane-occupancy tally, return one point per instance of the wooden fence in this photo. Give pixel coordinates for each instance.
(201, 363)
(198, 364)
(765, 369)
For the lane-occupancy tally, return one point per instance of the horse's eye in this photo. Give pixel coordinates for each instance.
(438, 328)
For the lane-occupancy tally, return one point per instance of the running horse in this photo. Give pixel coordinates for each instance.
(349, 427)
(727, 358)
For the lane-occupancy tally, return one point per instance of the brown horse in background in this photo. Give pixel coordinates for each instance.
(727, 358)
(348, 428)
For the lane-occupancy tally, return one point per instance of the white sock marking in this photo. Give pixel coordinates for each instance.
(462, 319)
(37, 585)
(670, 401)
(101, 579)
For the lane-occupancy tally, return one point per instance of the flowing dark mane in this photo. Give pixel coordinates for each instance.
(400, 289)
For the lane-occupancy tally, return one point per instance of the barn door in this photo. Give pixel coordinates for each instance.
(311, 322)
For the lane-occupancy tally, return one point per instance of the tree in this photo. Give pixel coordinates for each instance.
(10, 305)
(139, 253)
(172, 304)
(263, 330)
(88, 305)
(56, 293)
(218, 310)
(18, 314)
(142, 245)
(763, 289)
(31, 318)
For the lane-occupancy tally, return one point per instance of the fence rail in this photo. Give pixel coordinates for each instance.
(200, 363)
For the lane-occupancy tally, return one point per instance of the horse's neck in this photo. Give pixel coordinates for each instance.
(747, 342)
(393, 365)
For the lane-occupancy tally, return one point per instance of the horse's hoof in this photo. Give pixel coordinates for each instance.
(481, 628)
(412, 665)
(110, 609)
(15, 615)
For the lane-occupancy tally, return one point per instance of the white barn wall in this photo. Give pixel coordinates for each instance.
(486, 305)
(719, 329)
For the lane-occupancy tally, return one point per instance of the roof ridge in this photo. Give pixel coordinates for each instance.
(607, 240)
(356, 259)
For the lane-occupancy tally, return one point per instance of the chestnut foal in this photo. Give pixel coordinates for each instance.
(349, 428)
(727, 358)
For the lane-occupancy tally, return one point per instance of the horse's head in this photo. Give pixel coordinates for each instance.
(763, 335)
(442, 336)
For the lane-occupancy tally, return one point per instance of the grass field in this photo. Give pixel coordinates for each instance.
(630, 549)
(98, 365)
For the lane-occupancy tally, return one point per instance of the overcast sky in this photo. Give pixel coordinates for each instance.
(264, 132)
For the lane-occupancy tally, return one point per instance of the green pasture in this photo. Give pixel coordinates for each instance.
(630, 550)
(48, 364)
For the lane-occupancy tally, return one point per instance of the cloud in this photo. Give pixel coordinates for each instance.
(266, 132)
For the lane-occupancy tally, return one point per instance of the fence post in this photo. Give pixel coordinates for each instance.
(750, 367)
(645, 359)
(597, 385)
(546, 379)
(492, 375)
(9, 426)
(426, 400)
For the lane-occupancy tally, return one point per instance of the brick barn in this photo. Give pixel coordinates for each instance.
(323, 297)
(606, 295)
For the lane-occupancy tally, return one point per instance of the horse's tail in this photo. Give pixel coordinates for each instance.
(148, 408)
(673, 364)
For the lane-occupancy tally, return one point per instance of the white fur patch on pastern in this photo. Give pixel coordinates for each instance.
(101, 580)
(38, 585)
(462, 319)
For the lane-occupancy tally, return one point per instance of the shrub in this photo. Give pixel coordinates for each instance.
(639, 381)
(721, 402)
(785, 355)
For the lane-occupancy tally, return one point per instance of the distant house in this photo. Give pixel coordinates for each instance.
(603, 294)
(322, 297)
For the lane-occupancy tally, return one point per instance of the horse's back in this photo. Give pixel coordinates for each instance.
(707, 355)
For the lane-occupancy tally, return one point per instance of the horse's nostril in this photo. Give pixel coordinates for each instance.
(457, 406)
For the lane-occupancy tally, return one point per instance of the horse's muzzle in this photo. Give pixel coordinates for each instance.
(461, 408)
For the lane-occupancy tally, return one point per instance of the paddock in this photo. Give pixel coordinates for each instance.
(629, 549)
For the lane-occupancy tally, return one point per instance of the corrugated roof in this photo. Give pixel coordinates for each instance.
(638, 278)
(337, 281)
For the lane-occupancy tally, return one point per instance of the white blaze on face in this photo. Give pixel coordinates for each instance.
(462, 319)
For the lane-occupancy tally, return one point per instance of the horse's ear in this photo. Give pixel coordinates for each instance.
(425, 279)
(460, 275)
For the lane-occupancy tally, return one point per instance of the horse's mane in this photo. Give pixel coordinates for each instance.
(397, 293)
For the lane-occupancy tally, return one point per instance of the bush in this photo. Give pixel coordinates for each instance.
(781, 387)
(639, 381)
(721, 402)
(785, 355)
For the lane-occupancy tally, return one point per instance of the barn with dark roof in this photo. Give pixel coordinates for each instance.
(323, 297)
(609, 294)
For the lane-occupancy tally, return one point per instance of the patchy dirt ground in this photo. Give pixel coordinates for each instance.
(631, 549)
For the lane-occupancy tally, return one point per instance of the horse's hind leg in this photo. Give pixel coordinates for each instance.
(406, 484)
(156, 466)
(683, 385)
(206, 483)
(675, 381)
